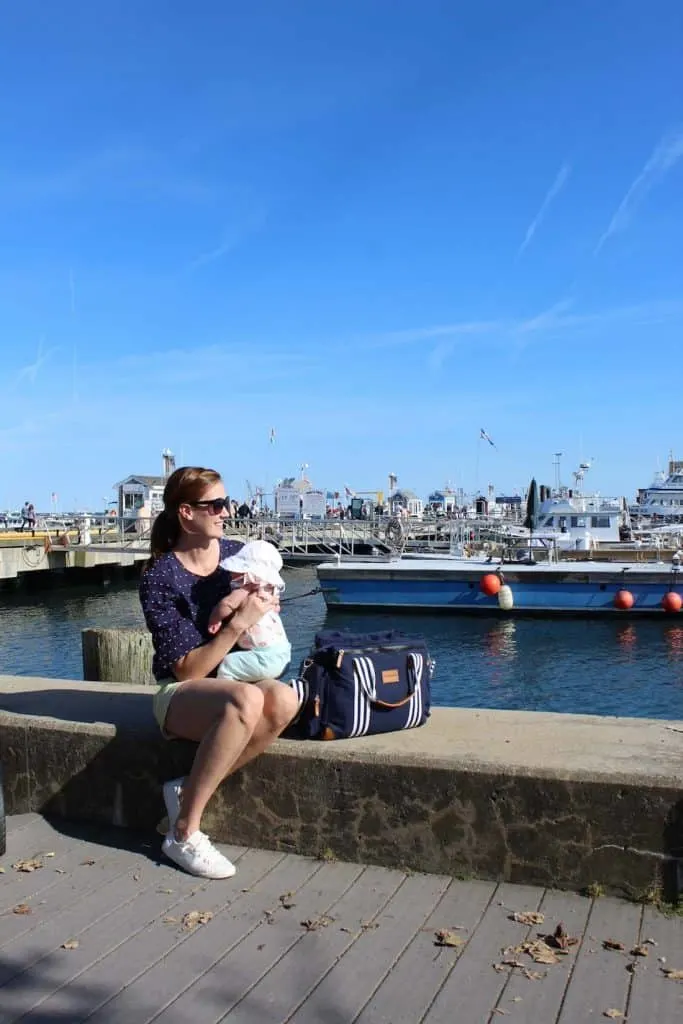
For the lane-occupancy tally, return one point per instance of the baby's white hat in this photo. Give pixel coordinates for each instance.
(261, 559)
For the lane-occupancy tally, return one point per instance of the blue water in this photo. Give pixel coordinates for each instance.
(579, 666)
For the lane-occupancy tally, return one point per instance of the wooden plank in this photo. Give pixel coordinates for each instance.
(473, 986)
(102, 973)
(409, 988)
(304, 966)
(374, 952)
(150, 902)
(138, 978)
(250, 958)
(655, 998)
(600, 980)
(69, 854)
(528, 1001)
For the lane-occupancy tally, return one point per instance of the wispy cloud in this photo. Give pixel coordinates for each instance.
(666, 155)
(552, 193)
(246, 226)
(31, 370)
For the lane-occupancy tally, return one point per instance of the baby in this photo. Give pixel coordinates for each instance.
(265, 650)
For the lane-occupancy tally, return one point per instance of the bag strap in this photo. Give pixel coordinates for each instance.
(364, 674)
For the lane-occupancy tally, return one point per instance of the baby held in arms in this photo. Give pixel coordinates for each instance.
(265, 650)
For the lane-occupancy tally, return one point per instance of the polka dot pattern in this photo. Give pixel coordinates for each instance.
(177, 605)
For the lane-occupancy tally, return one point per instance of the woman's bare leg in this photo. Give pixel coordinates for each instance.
(232, 722)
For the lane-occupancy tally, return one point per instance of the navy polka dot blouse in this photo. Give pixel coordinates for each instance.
(177, 605)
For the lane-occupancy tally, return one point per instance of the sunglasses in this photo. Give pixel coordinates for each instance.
(213, 505)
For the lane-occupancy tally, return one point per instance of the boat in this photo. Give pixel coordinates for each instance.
(458, 584)
(663, 499)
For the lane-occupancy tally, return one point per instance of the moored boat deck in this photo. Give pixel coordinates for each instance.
(102, 931)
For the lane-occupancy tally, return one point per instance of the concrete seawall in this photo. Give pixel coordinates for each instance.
(558, 800)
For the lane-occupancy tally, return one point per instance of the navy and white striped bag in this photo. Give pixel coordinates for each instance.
(357, 684)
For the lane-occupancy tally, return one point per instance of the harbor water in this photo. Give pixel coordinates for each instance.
(580, 666)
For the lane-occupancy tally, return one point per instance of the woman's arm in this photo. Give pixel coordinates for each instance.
(201, 662)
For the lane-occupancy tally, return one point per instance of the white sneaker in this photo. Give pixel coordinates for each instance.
(173, 791)
(198, 856)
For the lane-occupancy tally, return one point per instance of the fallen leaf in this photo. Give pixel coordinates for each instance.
(287, 901)
(514, 963)
(28, 865)
(640, 951)
(560, 940)
(136, 876)
(612, 944)
(71, 944)
(48, 855)
(650, 942)
(540, 953)
(671, 974)
(527, 917)
(498, 967)
(533, 975)
(444, 937)
(165, 892)
(312, 924)
(195, 917)
(612, 1013)
(171, 920)
(87, 863)
(22, 908)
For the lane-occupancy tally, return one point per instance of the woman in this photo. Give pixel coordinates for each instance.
(231, 721)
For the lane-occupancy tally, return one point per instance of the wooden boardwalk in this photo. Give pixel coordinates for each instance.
(100, 930)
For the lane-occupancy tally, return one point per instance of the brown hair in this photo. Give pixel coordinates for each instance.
(186, 484)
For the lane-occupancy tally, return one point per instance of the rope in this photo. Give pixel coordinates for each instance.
(297, 597)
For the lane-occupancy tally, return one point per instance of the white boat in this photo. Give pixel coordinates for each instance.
(663, 499)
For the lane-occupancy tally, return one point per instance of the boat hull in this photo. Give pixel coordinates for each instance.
(570, 589)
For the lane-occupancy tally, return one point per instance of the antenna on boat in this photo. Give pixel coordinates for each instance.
(556, 463)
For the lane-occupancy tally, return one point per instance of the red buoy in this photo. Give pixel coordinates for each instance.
(672, 602)
(490, 584)
(624, 600)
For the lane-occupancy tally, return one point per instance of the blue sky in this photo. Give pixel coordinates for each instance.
(375, 226)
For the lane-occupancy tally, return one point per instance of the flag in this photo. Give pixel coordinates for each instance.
(54, 498)
(483, 436)
(348, 492)
(271, 436)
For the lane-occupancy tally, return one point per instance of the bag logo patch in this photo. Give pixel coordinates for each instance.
(390, 675)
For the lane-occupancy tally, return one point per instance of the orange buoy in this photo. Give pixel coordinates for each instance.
(624, 600)
(490, 584)
(672, 602)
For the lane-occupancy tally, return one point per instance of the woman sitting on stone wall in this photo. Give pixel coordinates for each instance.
(233, 722)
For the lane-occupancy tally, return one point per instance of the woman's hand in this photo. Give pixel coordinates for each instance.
(253, 608)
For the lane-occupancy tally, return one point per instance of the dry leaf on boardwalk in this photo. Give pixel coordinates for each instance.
(444, 937)
(640, 951)
(71, 944)
(22, 908)
(671, 974)
(49, 854)
(527, 917)
(195, 917)
(287, 900)
(560, 940)
(612, 1013)
(165, 892)
(612, 944)
(312, 924)
(33, 864)
(540, 953)
(533, 975)
(171, 920)
(87, 863)
(2, 871)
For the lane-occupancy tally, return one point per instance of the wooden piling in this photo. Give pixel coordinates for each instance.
(117, 655)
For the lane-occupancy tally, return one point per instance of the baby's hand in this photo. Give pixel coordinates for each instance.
(225, 609)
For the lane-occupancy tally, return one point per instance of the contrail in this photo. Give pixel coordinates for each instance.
(552, 193)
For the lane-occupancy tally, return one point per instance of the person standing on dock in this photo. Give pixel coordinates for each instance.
(233, 722)
(25, 517)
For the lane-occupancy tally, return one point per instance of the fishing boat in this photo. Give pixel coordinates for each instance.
(458, 584)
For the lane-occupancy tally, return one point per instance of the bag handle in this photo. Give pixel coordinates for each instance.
(370, 690)
(398, 704)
